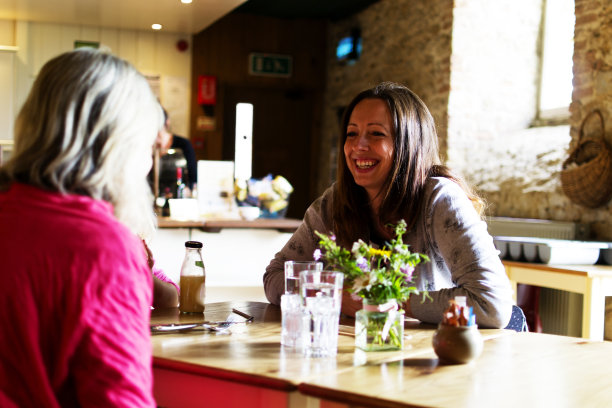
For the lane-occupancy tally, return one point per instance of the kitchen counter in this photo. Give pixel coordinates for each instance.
(236, 252)
(216, 225)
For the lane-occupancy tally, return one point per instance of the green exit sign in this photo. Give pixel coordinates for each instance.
(270, 65)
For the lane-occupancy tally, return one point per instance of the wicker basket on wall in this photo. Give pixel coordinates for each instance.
(586, 175)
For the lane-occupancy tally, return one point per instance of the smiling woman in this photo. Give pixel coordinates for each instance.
(389, 170)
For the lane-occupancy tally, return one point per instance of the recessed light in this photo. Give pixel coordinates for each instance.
(156, 26)
(186, 1)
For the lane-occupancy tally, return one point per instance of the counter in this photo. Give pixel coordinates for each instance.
(280, 224)
(235, 253)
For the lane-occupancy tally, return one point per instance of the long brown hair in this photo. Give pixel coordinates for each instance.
(415, 159)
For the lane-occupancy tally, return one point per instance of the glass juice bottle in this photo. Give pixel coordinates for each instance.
(193, 279)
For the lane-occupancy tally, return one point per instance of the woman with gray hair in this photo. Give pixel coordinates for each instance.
(76, 290)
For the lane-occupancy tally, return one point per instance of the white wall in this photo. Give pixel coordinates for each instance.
(233, 257)
(152, 53)
(7, 92)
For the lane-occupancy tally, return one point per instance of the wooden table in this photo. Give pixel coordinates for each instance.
(594, 282)
(250, 368)
(521, 370)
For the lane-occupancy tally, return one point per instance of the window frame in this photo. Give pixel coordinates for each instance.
(550, 116)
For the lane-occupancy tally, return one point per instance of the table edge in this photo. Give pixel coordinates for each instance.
(223, 374)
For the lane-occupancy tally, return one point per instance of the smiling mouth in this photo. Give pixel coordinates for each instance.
(365, 164)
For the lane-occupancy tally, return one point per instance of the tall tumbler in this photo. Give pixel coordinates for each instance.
(321, 295)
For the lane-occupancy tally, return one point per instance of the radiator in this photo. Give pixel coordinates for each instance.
(560, 311)
(526, 227)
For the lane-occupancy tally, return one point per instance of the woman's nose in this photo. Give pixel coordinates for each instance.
(362, 142)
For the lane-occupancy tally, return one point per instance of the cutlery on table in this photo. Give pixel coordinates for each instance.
(219, 327)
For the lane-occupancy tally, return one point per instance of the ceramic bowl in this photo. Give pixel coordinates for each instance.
(249, 213)
(457, 344)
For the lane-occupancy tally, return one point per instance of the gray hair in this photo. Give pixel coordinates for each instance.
(88, 127)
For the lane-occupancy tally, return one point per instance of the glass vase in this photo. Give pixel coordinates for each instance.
(379, 327)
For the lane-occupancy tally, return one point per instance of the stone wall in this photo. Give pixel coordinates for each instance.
(534, 189)
(401, 43)
(492, 104)
(593, 90)
(475, 64)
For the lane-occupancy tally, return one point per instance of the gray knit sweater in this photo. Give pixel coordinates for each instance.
(464, 260)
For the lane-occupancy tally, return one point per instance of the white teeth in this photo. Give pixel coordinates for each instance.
(364, 164)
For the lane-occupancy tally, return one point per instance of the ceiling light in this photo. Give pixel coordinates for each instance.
(156, 26)
(186, 1)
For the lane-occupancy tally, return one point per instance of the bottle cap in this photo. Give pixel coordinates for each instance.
(193, 244)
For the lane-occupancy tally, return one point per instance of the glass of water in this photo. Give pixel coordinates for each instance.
(321, 297)
(291, 313)
(292, 273)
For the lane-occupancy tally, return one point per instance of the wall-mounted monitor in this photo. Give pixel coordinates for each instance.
(348, 49)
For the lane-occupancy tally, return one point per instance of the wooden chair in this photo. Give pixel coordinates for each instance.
(528, 299)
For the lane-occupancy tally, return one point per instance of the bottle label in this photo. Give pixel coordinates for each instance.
(199, 264)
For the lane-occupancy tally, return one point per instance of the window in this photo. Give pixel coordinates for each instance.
(555, 91)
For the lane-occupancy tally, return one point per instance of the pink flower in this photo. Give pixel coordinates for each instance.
(408, 271)
(362, 264)
(317, 254)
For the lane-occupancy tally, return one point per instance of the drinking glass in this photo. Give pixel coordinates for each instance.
(291, 329)
(321, 296)
(292, 273)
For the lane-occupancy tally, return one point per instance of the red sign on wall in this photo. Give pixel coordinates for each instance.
(207, 90)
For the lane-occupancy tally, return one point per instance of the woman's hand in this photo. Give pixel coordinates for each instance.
(350, 303)
(150, 260)
(164, 293)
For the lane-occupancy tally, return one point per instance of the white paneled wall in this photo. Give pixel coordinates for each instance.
(152, 53)
(7, 92)
(233, 257)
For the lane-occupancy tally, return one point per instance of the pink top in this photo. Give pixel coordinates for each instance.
(159, 274)
(74, 304)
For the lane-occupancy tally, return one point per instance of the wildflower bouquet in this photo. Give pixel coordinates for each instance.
(382, 277)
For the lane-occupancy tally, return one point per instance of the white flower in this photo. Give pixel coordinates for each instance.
(401, 249)
(373, 278)
(360, 283)
(358, 247)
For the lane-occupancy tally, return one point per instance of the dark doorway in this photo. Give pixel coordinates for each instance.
(282, 129)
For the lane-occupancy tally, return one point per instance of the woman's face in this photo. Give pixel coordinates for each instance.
(368, 147)
(164, 139)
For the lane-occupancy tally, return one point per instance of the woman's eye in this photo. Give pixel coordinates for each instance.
(351, 134)
(377, 133)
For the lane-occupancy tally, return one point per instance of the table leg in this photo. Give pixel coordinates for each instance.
(513, 283)
(593, 310)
